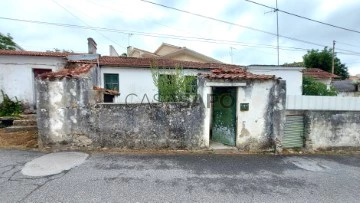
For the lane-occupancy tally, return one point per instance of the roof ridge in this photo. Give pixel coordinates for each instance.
(36, 53)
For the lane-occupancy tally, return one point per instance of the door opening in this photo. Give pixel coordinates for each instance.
(223, 125)
(36, 73)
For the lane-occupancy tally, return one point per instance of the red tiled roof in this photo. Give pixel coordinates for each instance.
(318, 73)
(72, 70)
(34, 53)
(235, 74)
(146, 62)
(106, 91)
(354, 77)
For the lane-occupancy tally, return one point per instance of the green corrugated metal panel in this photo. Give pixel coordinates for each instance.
(293, 132)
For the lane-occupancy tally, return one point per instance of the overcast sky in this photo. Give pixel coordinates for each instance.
(247, 46)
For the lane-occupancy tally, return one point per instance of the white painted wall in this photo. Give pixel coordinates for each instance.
(16, 74)
(292, 75)
(135, 83)
(204, 91)
(251, 124)
(329, 103)
(348, 94)
(326, 81)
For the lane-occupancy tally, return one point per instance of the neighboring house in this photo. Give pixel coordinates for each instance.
(168, 51)
(292, 76)
(347, 88)
(17, 47)
(18, 69)
(320, 75)
(355, 77)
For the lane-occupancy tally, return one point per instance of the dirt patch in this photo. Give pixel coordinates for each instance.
(18, 140)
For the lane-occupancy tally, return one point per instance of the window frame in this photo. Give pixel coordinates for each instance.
(112, 82)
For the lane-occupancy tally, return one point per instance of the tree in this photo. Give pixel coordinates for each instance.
(294, 64)
(6, 42)
(323, 60)
(314, 87)
(173, 85)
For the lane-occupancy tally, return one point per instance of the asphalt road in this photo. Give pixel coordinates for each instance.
(186, 178)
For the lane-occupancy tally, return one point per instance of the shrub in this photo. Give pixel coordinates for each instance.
(313, 87)
(173, 85)
(9, 107)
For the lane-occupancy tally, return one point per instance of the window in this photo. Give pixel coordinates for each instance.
(167, 88)
(111, 81)
(191, 88)
(174, 89)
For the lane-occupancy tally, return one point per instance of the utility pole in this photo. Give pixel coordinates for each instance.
(333, 58)
(277, 33)
(129, 35)
(231, 54)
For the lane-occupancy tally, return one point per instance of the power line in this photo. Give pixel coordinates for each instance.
(235, 24)
(87, 24)
(158, 35)
(306, 18)
(124, 12)
(351, 54)
(230, 23)
(352, 45)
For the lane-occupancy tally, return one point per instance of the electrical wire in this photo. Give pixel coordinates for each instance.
(352, 45)
(230, 23)
(235, 24)
(157, 35)
(75, 16)
(303, 17)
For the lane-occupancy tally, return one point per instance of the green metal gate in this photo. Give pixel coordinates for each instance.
(224, 115)
(294, 132)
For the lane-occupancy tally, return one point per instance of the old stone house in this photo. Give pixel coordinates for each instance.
(71, 109)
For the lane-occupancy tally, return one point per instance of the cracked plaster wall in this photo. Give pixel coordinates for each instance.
(153, 126)
(63, 109)
(69, 116)
(262, 126)
(332, 129)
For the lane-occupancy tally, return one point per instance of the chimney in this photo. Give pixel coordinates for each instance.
(112, 51)
(129, 50)
(92, 46)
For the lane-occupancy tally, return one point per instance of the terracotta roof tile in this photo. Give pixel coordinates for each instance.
(34, 53)
(354, 77)
(72, 70)
(318, 73)
(106, 91)
(235, 74)
(146, 62)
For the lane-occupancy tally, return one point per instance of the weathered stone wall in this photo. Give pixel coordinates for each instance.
(332, 129)
(153, 126)
(276, 114)
(68, 115)
(63, 109)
